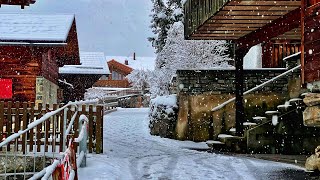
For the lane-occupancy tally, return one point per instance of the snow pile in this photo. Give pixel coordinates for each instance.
(163, 115)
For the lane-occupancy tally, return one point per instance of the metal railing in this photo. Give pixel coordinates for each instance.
(66, 160)
(257, 87)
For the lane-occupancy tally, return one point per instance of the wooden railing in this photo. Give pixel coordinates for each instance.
(47, 136)
(198, 11)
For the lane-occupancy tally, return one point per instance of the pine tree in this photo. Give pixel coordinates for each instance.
(164, 14)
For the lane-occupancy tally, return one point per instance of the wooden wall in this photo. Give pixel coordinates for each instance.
(275, 51)
(69, 54)
(311, 41)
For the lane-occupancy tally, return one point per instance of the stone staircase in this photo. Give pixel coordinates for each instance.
(268, 133)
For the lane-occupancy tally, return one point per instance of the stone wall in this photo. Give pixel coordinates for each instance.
(201, 91)
(223, 81)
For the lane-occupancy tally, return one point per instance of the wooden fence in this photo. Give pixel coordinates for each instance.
(48, 136)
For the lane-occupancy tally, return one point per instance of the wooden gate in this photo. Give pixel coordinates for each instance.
(48, 136)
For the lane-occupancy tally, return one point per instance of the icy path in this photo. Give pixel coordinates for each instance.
(131, 153)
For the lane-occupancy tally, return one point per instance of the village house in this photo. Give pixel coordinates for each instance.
(259, 109)
(121, 66)
(75, 79)
(33, 47)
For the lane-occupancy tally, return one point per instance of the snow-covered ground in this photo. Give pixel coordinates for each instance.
(130, 152)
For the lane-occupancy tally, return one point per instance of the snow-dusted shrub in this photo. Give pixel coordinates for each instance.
(163, 115)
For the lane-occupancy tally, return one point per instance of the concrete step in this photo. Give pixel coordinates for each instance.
(233, 143)
(259, 119)
(216, 145)
(249, 125)
(232, 131)
(284, 107)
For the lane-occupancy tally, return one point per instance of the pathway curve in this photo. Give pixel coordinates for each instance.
(132, 153)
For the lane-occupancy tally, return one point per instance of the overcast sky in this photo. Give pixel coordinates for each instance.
(115, 27)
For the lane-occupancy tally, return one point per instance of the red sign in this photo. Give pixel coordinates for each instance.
(5, 88)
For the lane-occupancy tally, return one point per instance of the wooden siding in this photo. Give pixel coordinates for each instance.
(69, 54)
(311, 42)
(275, 51)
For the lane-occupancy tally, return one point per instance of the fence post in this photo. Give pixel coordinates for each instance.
(83, 121)
(65, 111)
(99, 133)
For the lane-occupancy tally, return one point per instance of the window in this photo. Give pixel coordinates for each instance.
(116, 76)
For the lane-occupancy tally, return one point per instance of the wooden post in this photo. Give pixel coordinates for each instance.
(31, 131)
(61, 119)
(47, 128)
(303, 11)
(54, 128)
(9, 122)
(90, 133)
(39, 128)
(24, 125)
(239, 55)
(99, 124)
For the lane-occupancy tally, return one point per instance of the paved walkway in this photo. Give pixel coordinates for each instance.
(132, 153)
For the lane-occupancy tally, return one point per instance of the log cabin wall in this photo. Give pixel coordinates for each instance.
(311, 39)
(275, 51)
(18, 64)
(69, 54)
(23, 64)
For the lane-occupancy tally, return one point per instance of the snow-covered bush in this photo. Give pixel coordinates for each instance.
(163, 115)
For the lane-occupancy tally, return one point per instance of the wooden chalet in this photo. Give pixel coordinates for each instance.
(117, 78)
(75, 79)
(21, 3)
(32, 48)
(292, 24)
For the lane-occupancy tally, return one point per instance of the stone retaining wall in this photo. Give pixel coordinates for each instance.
(223, 81)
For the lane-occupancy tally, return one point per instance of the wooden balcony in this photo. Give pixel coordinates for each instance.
(233, 19)
(21, 3)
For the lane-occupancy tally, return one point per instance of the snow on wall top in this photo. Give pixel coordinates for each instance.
(35, 27)
(91, 63)
(169, 100)
(141, 63)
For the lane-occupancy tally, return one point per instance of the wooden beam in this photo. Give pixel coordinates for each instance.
(271, 30)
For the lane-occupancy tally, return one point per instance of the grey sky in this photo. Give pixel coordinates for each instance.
(115, 27)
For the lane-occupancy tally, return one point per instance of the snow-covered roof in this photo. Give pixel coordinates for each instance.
(91, 63)
(35, 27)
(142, 63)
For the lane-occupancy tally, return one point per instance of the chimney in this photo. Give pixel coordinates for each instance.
(134, 56)
(126, 62)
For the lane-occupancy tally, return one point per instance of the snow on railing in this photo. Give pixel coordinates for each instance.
(257, 87)
(82, 139)
(69, 153)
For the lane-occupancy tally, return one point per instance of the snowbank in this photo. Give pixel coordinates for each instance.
(163, 115)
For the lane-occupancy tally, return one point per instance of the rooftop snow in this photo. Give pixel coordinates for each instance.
(35, 27)
(91, 63)
(141, 63)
